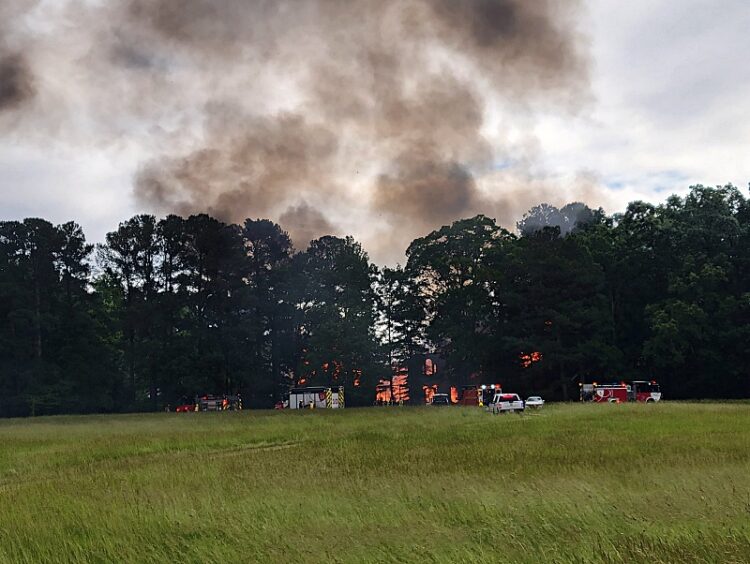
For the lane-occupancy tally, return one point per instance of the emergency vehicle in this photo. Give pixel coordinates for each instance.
(637, 390)
(317, 397)
(475, 395)
(641, 390)
(218, 403)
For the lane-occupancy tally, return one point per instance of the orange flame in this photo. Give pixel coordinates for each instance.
(429, 392)
(528, 359)
(400, 389)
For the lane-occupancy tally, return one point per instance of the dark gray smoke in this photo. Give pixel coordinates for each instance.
(306, 223)
(399, 79)
(16, 78)
(16, 81)
(360, 116)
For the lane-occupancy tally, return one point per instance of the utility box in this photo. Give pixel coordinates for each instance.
(317, 397)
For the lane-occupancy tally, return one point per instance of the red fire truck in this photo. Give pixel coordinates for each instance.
(475, 395)
(637, 390)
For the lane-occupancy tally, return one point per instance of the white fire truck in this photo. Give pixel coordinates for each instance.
(317, 397)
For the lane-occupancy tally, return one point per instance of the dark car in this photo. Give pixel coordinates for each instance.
(441, 399)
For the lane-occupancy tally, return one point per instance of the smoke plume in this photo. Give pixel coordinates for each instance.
(16, 78)
(306, 223)
(367, 117)
(16, 82)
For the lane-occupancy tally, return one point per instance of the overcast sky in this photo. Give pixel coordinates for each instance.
(666, 105)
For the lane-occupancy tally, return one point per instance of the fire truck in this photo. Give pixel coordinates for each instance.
(474, 395)
(218, 403)
(323, 397)
(637, 390)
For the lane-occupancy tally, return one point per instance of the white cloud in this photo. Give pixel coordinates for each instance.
(672, 88)
(91, 187)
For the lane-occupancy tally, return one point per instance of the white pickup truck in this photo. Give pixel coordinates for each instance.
(509, 403)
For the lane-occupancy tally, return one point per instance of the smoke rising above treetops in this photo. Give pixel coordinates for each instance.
(378, 118)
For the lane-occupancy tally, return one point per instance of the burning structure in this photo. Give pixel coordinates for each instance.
(389, 392)
(425, 375)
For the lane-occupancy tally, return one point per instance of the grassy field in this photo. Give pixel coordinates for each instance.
(573, 483)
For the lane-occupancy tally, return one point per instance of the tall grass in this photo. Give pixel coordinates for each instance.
(572, 483)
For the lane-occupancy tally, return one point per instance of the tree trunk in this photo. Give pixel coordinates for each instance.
(131, 362)
(390, 354)
(37, 321)
(36, 371)
(275, 362)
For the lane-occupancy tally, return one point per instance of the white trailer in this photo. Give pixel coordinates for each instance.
(317, 397)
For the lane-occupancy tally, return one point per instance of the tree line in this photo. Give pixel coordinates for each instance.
(169, 308)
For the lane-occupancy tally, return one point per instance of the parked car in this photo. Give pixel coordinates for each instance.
(441, 399)
(506, 403)
(534, 401)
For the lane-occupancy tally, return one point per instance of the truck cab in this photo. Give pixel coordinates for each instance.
(641, 390)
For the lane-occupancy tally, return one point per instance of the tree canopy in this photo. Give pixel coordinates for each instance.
(168, 308)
